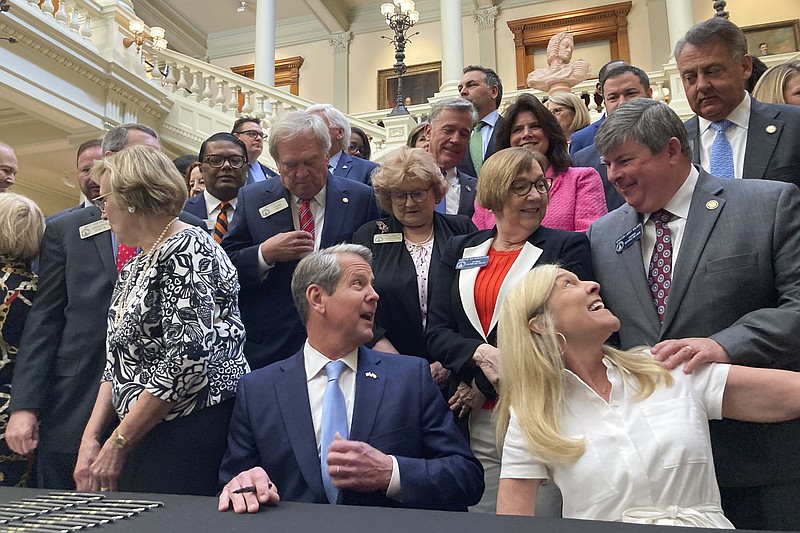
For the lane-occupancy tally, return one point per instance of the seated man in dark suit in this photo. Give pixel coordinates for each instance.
(339, 423)
(342, 164)
(734, 135)
(280, 221)
(223, 160)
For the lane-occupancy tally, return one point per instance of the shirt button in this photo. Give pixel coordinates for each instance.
(615, 403)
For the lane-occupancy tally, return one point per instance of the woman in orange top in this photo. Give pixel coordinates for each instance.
(476, 273)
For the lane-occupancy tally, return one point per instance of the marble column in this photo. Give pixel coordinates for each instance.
(265, 42)
(680, 19)
(452, 47)
(340, 42)
(485, 19)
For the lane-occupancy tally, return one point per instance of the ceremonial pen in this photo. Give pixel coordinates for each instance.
(251, 488)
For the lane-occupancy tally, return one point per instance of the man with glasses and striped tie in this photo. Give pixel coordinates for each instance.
(223, 160)
(280, 221)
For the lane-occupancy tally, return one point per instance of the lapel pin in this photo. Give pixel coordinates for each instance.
(345, 200)
(771, 129)
(712, 204)
(371, 375)
(469, 188)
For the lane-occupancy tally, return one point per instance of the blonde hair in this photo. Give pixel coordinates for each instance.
(144, 179)
(499, 172)
(532, 367)
(403, 165)
(21, 227)
(770, 86)
(574, 102)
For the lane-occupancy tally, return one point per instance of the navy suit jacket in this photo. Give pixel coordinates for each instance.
(469, 184)
(467, 166)
(588, 157)
(585, 137)
(773, 142)
(397, 410)
(355, 168)
(270, 318)
(196, 205)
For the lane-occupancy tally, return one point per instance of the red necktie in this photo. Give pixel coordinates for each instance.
(659, 274)
(221, 227)
(124, 253)
(307, 217)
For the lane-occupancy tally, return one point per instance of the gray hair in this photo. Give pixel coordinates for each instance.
(117, 137)
(644, 121)
(456, 104)
(335, 118)
(716, 30)
(322, 268)
(295, 123)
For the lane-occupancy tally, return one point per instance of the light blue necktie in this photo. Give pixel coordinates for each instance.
(721, 152)
(441, 207)
(334, 420)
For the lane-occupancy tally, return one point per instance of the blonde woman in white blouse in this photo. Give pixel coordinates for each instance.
(623, 438)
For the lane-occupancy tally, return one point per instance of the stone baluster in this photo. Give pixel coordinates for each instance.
(219, 99)
(233, 103)
(247, 108)
(61, 14)
(196, 87)
(207, 94)
(183, 83)
(48, 8)
(261, 100)
(75, 19)
(171, 81)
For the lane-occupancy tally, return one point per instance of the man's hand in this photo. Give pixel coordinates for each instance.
(466, 399)
(487, 358)
(82, 474)
(695, 351)
(355, 465)
(287, 246)
(22, 432)
(265, 492)
(439, 374)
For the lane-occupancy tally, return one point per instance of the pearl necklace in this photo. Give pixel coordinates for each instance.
(420, 243)
(122, 303)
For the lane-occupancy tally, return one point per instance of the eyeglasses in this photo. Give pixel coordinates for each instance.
(556, 111)
(355, 148)
(418, 196)
(217, 161)
(523, 187)
(253, 134)
(100, 201)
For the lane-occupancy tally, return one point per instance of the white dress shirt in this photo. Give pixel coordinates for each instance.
(736, 134)
(489, 121)
(212, 206)
(453, 196)
(317, 381)
(641, 456)
(679, 207)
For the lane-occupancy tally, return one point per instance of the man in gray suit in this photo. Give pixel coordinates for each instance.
(763, 139)
(705, 269)
(449, 129)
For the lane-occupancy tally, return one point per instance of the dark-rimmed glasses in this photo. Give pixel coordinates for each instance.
(100, 201)
(417, 196)
(523, 187)
(253, 134)
(218, 161)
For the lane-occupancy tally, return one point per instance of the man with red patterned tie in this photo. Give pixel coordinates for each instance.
(62, 350)
(280, 221)
(223, 160)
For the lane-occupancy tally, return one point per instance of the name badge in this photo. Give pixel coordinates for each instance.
(628, 239)
(383, 238)
(92, 229)
(274, 207)
(472, 262)
(210, 223)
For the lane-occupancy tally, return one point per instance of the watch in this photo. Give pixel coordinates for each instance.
(119, 440)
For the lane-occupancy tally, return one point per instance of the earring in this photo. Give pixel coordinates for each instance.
(561, 335)
(131, 209)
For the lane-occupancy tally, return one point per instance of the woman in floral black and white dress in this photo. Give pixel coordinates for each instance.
(174, 341)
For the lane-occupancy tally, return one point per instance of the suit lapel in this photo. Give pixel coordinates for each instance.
(104, 244)
(693, 131)
(466, 284)
(336, 204)
(282, 220)
(467, 197)
(344, 165)
(698, 229)
(760, 147)
(631, 258)
(370, 384)
(292, 391)
(522, 265)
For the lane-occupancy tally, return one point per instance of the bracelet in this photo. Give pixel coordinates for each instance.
(119, 440)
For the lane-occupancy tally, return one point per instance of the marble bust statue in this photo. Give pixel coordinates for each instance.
(560, 75)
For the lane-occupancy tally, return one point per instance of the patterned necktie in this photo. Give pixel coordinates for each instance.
(307, 217)
(124, 253)
(334, 420)
(721, 151)
(221, 227)
(476, 146)
(659, 274)
(441, 207)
